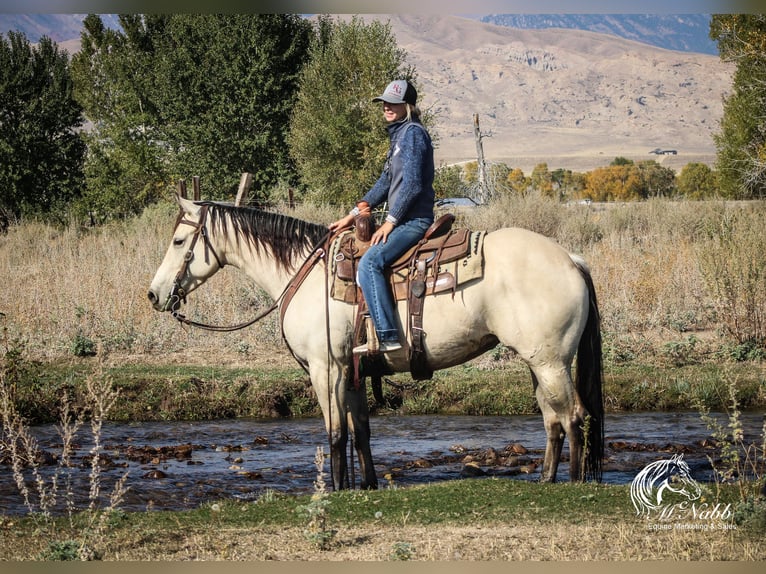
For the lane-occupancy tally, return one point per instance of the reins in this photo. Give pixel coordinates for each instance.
(178, 295)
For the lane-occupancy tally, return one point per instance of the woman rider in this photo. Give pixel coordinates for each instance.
(407, 185)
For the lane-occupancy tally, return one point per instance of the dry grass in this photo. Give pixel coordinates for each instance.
(558, 542)
(588, 541)
(65, 288)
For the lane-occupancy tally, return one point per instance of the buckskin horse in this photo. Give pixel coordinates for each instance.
(533, 297)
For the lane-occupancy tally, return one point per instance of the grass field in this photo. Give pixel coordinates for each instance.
(682, 291)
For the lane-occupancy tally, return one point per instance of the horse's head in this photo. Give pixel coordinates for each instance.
(188, 262)
(659, 478)
(679, 478)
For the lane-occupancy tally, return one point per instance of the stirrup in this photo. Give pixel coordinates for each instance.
(383, 347)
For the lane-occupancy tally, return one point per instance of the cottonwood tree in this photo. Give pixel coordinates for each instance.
(41, 153)
(697, 181)
(175, 95)
(337, 137)
(741, 142)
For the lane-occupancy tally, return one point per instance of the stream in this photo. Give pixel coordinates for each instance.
(180, 465)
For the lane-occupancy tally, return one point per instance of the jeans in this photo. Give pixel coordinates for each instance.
(373, 282)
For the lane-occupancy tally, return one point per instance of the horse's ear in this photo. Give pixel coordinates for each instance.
(187, 205)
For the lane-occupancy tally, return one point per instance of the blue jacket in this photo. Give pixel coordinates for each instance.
(408, 176)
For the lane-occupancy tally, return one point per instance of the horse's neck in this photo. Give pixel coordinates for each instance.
(260, 266)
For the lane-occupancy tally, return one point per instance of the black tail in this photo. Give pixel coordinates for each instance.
(588, 382)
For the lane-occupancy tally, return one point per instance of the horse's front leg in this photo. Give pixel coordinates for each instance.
(329, 388)
(358, 410)
(338, 462)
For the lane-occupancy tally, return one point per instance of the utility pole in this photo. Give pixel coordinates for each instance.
(482, 170)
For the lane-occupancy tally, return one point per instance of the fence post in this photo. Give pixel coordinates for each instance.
(245, 181)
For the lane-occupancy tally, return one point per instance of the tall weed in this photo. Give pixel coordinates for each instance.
(44, 493)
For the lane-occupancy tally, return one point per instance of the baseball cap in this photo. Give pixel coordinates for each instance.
(398, 92)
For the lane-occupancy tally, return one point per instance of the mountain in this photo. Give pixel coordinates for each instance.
(572, 98)
(64, 29)
(684, 32)
(58, 27)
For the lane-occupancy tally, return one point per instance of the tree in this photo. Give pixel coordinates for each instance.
(568, 183)
(697, 181)
(448, 182)
(657, 181)
(620, 182)
(41, 153)
(741, 142)
(126, 166)
(517, 181)
(336, 134)
(176, 95)
(226, 86)
(542, 180)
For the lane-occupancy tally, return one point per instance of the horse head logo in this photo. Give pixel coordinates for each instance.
(659, 479)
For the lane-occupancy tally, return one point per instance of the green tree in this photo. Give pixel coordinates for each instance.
(41, 153)
(568, 183)
(182, 94)
(336, 134)
(542, 180)
(741, 142)
(448, 182)
(226, 86)
(697, 181)
(126, 166)
(657, 181)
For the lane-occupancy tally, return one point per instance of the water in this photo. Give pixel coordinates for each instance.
(177, 465)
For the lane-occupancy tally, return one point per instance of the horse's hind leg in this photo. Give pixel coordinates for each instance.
(563, 416)
(555, 436)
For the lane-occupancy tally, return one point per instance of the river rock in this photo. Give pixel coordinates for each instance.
(472, 469)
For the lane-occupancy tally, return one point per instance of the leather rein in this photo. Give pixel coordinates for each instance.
(178, 295)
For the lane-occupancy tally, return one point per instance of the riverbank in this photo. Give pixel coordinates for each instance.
(182, 389)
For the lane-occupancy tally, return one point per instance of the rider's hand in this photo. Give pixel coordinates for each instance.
(381, 233)
(342, 223)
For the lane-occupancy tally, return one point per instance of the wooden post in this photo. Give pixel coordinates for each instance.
(182, 188)
(245, 181)
(482, 172)
(195, 187)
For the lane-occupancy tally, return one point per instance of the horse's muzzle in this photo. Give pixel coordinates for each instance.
(154, 300)
(172, 303)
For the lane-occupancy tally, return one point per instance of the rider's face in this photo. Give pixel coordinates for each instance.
(394, 112)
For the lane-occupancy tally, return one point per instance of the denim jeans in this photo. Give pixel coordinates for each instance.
(375, 286)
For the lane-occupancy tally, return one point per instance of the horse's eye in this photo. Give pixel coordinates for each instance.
(178, 241)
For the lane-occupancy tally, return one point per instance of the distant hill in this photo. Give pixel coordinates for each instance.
(570, 97)
(58, 27)
(684, 32)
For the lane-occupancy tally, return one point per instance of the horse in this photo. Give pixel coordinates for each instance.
(533, 297)
(661, 477)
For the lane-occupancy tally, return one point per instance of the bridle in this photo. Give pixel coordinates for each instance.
(177, 293)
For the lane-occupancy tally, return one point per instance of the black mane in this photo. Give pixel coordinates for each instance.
(287, 238)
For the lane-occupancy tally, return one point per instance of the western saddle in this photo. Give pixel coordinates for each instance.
(442, 260)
